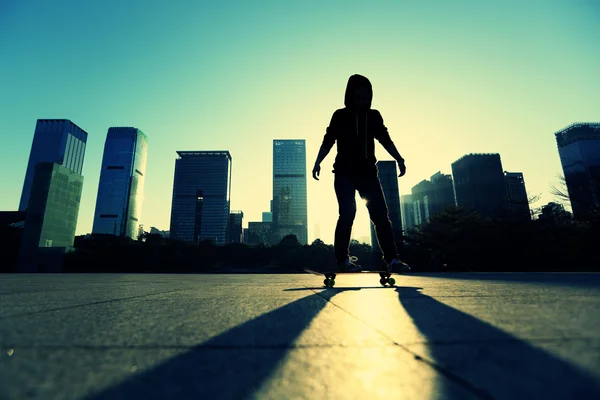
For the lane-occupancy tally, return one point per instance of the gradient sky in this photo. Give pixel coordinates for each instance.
(449, 77)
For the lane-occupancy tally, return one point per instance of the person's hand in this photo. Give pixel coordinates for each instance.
(401, 167)
(316, 171)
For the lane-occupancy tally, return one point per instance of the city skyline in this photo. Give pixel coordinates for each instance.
(448, 79)
(422, 208)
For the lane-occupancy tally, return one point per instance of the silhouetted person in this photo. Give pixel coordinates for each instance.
(355, 127)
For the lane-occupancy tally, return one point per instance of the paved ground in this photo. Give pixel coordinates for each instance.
(463, 336)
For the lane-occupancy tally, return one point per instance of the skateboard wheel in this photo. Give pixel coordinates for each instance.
(392, 281)
(382, 281)
(329, 282)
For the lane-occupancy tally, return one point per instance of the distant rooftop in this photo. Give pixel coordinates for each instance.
(423, 184)
(61, 120)
(476, 155)
(279, 142)
(578, 131)
(593, 125)
(199, 153)
(138, 131)
(439, 175)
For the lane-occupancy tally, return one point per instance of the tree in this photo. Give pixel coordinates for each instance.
(453, 236)
(318, 243)
(582, 191)
(554, 213)
(289, 241)
(560, 190)
(151, 238)
(531, 200)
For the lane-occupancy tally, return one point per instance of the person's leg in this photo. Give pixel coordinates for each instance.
(345, 193)
(370, 189)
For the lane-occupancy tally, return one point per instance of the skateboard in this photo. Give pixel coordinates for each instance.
(386, 277)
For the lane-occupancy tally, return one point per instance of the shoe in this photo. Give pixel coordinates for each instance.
(349, 265)
(397, 266)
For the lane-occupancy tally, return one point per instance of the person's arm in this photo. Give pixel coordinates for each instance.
(390, 147)
(328, 141)
(323, 151)
(383, 136)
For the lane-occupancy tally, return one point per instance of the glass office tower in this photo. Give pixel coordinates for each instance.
(579, 151)
(54, 207)
(57, 141)
(422, 195)
(408, 212)
(443, 193)
(201, 196)
(289, 190)
(479, 184)
(121, 187)
(518, 203)
(235, 229)
(51, 218)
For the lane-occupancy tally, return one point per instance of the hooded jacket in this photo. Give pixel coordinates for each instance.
(355, 130)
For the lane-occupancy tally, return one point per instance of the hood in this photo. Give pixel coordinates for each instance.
(353, 82)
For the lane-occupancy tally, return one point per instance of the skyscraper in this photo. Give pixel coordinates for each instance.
(422, 197)
(388, 176)
(51, 217)
(121, 187)
(479, 184)
(201, 196)
(289, 190)
(443, 192)
(518, 203)
(235, 231)
(417, 212)
(57, 141)
(267, 216)
(408, 212)
(259, 233)
(429, 198)
(579, 151)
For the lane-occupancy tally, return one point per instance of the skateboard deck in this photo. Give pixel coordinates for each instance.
(329, 281)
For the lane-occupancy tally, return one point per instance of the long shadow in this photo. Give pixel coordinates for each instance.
(335, 290)
(589, 280)
(207, 371)
(489, 361)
